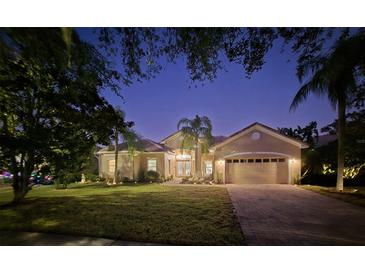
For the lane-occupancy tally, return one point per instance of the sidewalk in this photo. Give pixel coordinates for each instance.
(9, 238)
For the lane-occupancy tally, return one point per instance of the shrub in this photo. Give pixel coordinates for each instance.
(126, 179)
(153, 176)
(91, 177)
(101, 179)
(141, 177)
(60, 183)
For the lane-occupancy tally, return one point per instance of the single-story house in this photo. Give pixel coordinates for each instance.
(254, 154)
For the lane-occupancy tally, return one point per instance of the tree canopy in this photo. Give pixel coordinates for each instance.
(50, 102)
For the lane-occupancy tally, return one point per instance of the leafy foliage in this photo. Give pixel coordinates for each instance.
(308, 134)
(152, 176)
(205, 50)
(50, 102)
(354, 138)
(197, 131)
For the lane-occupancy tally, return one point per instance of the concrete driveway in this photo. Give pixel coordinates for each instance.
(289, 215)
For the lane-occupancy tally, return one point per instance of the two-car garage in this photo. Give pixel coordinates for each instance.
(266, 170)
(258, 154)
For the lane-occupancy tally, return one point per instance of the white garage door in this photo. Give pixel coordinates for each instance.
(257, 171)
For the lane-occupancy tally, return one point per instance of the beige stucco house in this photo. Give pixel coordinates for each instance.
(255, 154)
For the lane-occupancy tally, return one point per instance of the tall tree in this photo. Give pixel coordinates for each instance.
(308, 133)
(197, 134)
(354, 137)
(129, 137)
(50, 100)
(336, 76)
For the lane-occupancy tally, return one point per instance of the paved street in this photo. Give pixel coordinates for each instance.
(49, 239)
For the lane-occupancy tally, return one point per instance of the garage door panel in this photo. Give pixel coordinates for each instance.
(257, 173)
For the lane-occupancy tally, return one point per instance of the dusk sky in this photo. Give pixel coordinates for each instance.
(231, 101)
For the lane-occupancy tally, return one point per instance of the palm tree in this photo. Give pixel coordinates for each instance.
(128, 135)
(195, 131)
(334, 76)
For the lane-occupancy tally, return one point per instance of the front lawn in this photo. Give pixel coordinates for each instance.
(353, 195)
(191, 215)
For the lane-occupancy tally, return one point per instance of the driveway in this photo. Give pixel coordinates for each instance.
(288, 215)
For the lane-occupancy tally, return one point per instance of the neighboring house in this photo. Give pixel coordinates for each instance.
(255, 154)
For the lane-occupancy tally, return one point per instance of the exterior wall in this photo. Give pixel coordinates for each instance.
(160, 157)
(169, 168)
(206, 157)
(129, 168)
(174, 141)
(125, 167)
(266, 143)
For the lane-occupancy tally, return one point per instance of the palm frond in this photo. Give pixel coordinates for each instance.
(183, 122)
(318, 85)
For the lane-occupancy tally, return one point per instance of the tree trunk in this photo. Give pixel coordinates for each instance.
(20, 181)
(197, 166)
(340, 139)
(115, 181)
(19, 193)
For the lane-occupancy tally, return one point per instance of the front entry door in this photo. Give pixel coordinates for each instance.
(183, 168)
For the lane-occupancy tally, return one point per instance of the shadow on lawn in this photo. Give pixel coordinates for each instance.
(198, 217)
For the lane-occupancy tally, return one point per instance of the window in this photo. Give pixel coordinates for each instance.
(111, 165)
(180, 168)
(258, 160)
(228, 161)
(250, 160)
(236, 161)
(208, 167)
(266, 160)
(243, 161)
(281, 160)
(187, 168)
(273, 160)
(152, 164)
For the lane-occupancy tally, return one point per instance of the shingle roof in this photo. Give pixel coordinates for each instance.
(145, 145)
(266, 127)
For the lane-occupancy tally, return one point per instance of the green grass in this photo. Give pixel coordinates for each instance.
(356, 198)
(187, 215)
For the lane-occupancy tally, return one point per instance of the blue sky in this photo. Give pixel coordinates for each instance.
(231, 101)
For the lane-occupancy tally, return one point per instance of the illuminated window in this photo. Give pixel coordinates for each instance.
(188, 168)
(208, 167)
(152, 164)
(111, 165)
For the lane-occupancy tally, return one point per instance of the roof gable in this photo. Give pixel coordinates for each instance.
(265, 129)
(172, 135)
